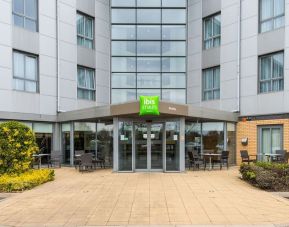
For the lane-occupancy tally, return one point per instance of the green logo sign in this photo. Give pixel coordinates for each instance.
(149, 105)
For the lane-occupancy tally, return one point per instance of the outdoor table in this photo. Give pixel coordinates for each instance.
(270, 156)
(210, 155)
(39, 156)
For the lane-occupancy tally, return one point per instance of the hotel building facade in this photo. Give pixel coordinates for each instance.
(73, 71)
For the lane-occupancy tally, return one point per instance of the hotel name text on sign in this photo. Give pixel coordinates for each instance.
(149, 105)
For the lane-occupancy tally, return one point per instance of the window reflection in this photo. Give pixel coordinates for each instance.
(213, 136)
(85, 137)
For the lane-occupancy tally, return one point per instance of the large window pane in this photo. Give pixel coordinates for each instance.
(30, 68)
(129, 3)
(31, 8)
(271, 73)
(173, 64)
(173, 32)
(123, 15)
(122, 95)
(152, 32)
(123, 64)
(123, 48)
(123, 32)
(25, 14)
(172, 146)
(174, 16)
(149, 64)
(148, 80)
(25, 74)
(149, 16)
(148, 48)
(212, 31)
(85, 83)
(125, 146)
(174, 95)
(271, 14)
(173, 48)
(174, 3)
(123, 80)
(18, 65)
(148, 92)
(18, 6)
(148, 3)
(85, 30)
(211, 84)
(213, 136)
(173, 80)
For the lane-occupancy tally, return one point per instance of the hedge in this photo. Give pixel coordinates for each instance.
(24, 181)
(268, 176)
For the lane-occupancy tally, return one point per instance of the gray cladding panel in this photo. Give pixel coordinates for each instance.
(211, 7)
(211, 57)
(25, 40)
(269, 42)
(86, 6)
(85, 57)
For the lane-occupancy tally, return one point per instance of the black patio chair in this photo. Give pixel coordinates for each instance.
(86, 163)
(55, 161)
(282, 157)
(99, 161)
(195, 160)
(222, 160)
(77, 157)
(246, 157)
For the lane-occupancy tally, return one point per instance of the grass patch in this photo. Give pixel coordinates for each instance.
(26, 180)
(267, 176)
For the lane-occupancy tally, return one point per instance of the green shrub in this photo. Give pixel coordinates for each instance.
(268, 176)
(17, 145)
(24, 181)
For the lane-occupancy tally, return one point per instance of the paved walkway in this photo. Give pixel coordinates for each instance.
(105, 198)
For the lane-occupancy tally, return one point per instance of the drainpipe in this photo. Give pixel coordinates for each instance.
(57, 55)
(239, 59)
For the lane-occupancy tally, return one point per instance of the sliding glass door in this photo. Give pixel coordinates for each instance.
(270, 140)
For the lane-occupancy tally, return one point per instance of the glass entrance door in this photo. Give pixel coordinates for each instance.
(149, 146)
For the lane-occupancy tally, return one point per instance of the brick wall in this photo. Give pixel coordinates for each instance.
(249, 129)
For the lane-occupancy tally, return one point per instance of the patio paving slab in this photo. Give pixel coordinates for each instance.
(199, 198)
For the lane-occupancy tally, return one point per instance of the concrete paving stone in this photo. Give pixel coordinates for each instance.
(104, 198)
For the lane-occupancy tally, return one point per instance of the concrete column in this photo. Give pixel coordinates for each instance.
(115, 144)
(56, 144)
(182, 144)
(71, 143)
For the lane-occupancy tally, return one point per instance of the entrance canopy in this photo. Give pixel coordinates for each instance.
(131, 109)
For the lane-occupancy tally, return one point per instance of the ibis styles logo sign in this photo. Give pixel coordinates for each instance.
(149, 105)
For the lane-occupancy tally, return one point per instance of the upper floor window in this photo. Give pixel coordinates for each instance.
(271, 72)
(25, 14)
(211, 83)
(212, 31)
(271, 14)
(25, 72)
(85, 31)
(85, 83)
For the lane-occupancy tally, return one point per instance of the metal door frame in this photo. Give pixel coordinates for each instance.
(149, 146)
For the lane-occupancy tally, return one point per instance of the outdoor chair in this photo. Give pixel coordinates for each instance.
(55, 160)
(281, 158)
(86, 162)
(222, 160)
(195, 160)
(246, 157)
(77, 157)
(99, 161)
